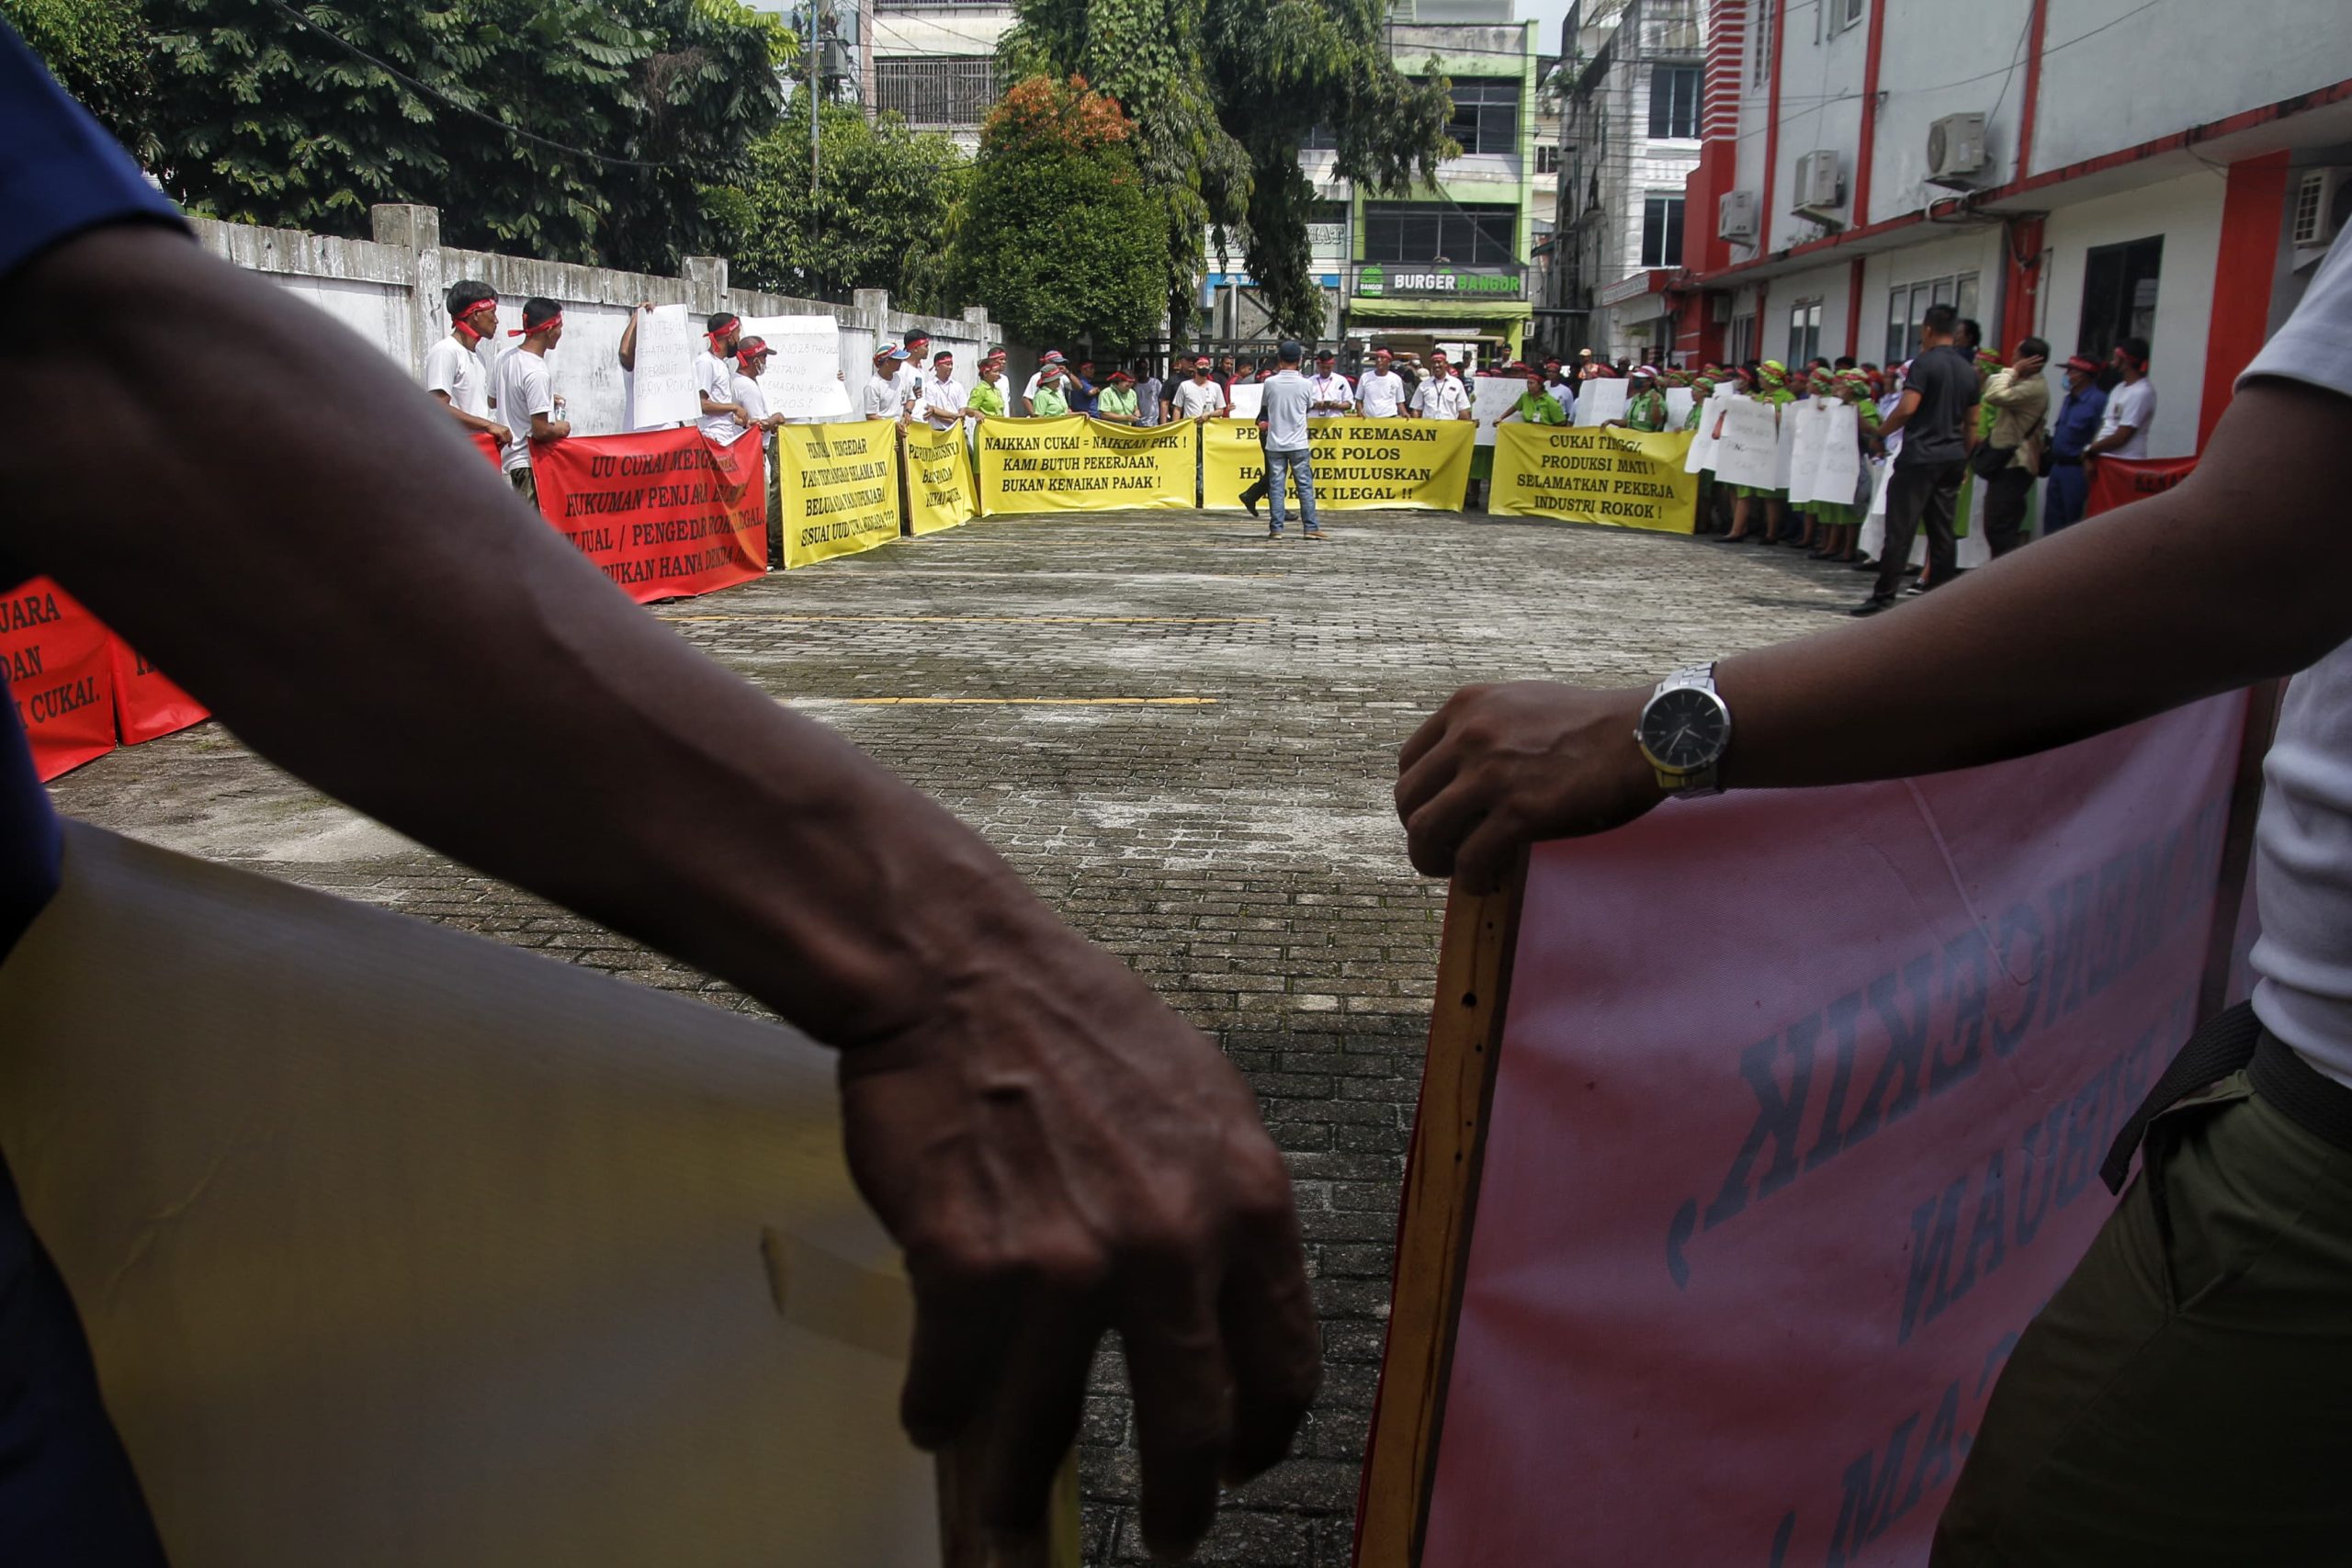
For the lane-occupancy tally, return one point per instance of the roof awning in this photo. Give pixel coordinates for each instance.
(1413, 310)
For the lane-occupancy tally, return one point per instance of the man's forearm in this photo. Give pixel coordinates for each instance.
(2199, 590)
(494, 697)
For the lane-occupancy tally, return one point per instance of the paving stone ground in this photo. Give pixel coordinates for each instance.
(1236, 846)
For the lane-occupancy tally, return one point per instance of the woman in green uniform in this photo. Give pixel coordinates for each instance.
(1841, 522)
(1644, 405)
(1536, 406)
(1771, 387)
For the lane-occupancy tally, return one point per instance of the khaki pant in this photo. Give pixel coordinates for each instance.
(526, 483)
(2186, 1395)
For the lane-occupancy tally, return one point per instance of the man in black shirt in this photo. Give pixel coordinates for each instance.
(1937, 417)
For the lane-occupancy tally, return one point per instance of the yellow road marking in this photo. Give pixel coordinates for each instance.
(1028, 702)
(1008, 620)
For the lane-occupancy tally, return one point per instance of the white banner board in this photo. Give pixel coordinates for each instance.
(1804, 425)
(1491, 397)
(1840, 474)
(663, 384)
(1748, 454)
(1599, 400)
(1677, 407)
(1247, 397)
(803, 375)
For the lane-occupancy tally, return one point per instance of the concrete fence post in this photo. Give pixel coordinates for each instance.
(416, 231)
(706, 284)
(976, 317)
(873, 308)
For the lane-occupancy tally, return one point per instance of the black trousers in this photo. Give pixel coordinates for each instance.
(2005, 498)
(1928, 491)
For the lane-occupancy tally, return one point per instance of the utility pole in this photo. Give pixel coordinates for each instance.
(815, 46)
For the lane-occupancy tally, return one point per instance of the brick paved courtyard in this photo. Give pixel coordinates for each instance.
(1183, 736)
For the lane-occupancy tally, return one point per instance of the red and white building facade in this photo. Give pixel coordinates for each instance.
(2170, 169)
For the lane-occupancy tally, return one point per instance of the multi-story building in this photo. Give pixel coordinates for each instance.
(1630, 82)
(933, 61)
(2078, 170)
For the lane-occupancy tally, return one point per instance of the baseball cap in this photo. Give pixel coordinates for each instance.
(1291, 349)
(890, 351)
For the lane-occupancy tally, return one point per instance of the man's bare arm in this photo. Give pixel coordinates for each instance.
(2233, 576)
(472, 421)
(1056, 1151)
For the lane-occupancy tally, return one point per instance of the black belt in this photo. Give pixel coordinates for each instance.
(2061, 462)
(2224, 1045)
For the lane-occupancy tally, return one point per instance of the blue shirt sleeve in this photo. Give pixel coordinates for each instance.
(60, 172)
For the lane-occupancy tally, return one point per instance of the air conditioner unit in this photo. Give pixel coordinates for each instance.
(1735, 217)
(2322, 207)
(1817, 182)
(1955, 148)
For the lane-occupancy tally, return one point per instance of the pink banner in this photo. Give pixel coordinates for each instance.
(1797, 1121)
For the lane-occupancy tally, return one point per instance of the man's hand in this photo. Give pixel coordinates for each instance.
(2030, 367)
(1060, 1155)
(501, 434)
(1500, 767)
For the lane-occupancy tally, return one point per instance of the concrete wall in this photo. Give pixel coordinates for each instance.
(388, 291)
(1932, 64)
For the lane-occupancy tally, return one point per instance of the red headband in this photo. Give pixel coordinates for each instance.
(733, 323)
(528, 330)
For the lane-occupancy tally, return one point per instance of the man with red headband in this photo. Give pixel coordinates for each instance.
(2130, 405)
(744, 387)
(527, 394)
(453, 371)
(722, 418)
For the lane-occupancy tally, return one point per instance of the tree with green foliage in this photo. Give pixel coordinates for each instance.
(1222, 96)
(879, 219)
(1059, 238)
(99, 50)
(579, 129)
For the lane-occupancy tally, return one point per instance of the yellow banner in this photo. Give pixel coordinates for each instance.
(1357, 463)
(940, 490)
(1076, 464)
(838, 489)
(1626, 479)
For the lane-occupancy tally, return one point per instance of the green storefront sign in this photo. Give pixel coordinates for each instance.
(1438, 280)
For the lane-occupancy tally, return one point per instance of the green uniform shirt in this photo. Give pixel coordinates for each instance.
(1114, 398)
(986, 398)
(1645, 410)
(1537, 408)
(1049, 403)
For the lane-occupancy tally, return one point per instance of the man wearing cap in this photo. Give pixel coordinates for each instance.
(453, 371)
(2130, 405)
(526, 395)
(1331, 395)
(942, 400)
(1644, 405)
(1282, 423)
(751, 359)
(1380, 391)
(2076, 427)
(715, 378)
(1200, 398)
(1052, 358)
(881, 399)
(1441, 395)
(1116, 404)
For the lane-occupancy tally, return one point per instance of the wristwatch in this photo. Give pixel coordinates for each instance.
(1683, 730)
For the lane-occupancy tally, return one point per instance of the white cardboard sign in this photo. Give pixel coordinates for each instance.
(663, 384)
(1748, 454)
(1599, 400)
(804, 375)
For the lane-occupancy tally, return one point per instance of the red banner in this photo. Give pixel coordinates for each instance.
(59, 660)
(664, 513)
(2120, 481)
(147, 705)
(488, 447)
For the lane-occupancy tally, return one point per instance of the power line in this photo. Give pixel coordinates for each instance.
(432, 92)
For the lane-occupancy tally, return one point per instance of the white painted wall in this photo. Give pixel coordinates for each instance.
(1830, 285)
(1821, 106)
(2120, 73)
(1935, 60)
(1953, 252)
(2187, 213)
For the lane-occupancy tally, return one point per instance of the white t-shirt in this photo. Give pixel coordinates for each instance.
(1381, 393)
(523, 388)
(1331, 389)
(881, 400)
(745, 393)
(2302, 839)
(2132, 404)
(1442, 397)
(455, 371)
(1193, 399)
(908, 380)
(942, 402)
(715, 379)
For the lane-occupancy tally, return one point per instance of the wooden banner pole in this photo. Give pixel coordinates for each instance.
(1433, 1231)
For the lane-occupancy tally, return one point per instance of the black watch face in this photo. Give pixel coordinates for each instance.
(1685, 730)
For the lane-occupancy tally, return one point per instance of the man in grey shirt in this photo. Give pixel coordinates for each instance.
(1937, 416)
(1281, 422)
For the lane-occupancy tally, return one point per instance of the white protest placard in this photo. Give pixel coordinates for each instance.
(1803, 426)
(1748, 453)
(1247, 397)
(803, 379)
(1784, 448)
(1840, 474)
(1599, 400)
(662, 387)
(1677, 407)
(1701, 458)
(1491, 397)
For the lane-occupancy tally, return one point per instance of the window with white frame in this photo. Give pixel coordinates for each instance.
(1674, 101)
(1763, 33)
(1906, 307)
(1547, 158)
(1740, 342)
(1844, 14)
(1662, 231)
(1804, 333)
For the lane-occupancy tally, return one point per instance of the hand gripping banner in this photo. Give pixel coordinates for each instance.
(664, 514)
(1359, 464)
(1713, 1251)
(1076, 464)
(838, 489)
(1626, 479)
